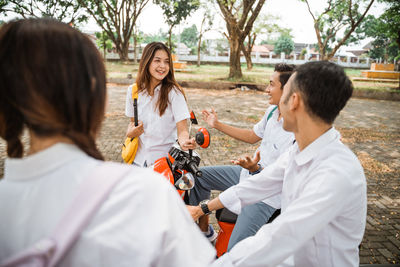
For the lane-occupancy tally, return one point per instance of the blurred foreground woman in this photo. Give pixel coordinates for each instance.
(52, 83)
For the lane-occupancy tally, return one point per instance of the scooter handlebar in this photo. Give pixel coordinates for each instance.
(194, 169)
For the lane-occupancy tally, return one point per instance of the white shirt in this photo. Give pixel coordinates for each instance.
(324, 208)
(160, 133)
(275, 141)
(142, 223)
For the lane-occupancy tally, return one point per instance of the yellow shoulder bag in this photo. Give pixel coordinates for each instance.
(130, 146)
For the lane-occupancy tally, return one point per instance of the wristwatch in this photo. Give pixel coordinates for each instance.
(204, 206)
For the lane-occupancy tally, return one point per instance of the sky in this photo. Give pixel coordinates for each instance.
(293, 13)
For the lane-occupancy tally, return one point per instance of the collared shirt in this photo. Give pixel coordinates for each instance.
(324, 207)
(160, 132)
(142, 223)
(275, 141)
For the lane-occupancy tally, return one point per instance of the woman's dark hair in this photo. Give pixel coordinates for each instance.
(52, 80)
(143, 77)
(285, 71)
(325, 88)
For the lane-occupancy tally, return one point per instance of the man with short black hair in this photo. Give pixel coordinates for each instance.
(321, 182)
(274, 141)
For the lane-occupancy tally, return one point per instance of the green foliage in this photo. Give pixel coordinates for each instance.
(284, 44)
(103, 41)
(385, 31)
(158, 37)
(68, 11)
(117, 18)
(189, 36)
(267, 27)
(176, 11)
(338, 24)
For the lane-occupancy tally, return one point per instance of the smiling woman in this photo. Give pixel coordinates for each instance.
(162, 108)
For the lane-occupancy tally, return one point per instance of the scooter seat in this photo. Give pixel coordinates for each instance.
(225, 215)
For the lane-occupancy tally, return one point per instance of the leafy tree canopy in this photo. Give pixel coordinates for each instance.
(337, 23)
(189, 36)
(284, 44)
(68, 11)
(176, 11)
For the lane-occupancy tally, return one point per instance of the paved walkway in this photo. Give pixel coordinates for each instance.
(371, 128)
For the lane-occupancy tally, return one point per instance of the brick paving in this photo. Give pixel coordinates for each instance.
(370, 128)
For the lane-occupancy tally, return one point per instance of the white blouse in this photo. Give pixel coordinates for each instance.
(160, 132)
(142, 223)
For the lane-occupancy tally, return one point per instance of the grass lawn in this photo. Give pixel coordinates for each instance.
(259, 74)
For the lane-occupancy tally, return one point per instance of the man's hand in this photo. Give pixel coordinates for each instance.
(134, 131)
(249, 163)
(210, 117)
(195, 212)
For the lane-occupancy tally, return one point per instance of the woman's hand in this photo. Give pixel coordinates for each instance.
(210, 117)
(134, 131)
(248, 163)
(188, 144)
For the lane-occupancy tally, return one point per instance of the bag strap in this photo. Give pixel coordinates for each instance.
(93, 192)
(135, 96)
(271, 112)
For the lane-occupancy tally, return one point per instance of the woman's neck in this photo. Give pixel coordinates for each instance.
(153, 84)
(38, 144)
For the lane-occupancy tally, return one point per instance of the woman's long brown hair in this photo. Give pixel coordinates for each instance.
(52, 80)
(143, 77)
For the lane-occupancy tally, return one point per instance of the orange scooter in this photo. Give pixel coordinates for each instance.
(181, 167)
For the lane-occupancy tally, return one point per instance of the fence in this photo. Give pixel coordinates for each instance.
(350, 62)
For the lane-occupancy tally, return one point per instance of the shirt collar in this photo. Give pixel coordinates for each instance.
(158, 87)
(41, 162)
(302, 157)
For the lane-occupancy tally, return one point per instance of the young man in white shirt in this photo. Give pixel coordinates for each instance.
(321, 182)
(274, 141)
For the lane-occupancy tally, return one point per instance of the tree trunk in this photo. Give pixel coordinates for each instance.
(235, 70)
(247, 51)
(170, 39)
(247, 55)
(134, 48)
(122, 50)
(198, 51)
(104, 49)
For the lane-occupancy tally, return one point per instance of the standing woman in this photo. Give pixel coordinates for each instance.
(162, 108)
(53, 84)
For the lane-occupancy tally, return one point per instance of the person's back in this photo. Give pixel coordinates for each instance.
(134, 227)
(53, 83)
(315, 173)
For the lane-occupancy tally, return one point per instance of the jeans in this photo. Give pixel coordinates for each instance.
(220, 178)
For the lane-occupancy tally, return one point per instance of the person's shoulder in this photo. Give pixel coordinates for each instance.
(271, 108)
(139, 178)
(175, 91)
(341, 160)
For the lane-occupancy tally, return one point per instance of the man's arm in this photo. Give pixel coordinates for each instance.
(244, 135)
(254, 189)
(312, 210)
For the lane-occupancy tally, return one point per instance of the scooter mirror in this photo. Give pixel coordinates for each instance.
(203, 138)
(193, 118)
(186, 182)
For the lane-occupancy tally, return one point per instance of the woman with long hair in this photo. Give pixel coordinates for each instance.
(53, 84)
(162, 108)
